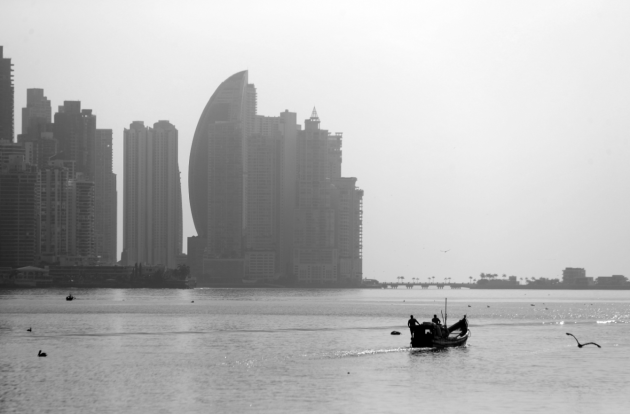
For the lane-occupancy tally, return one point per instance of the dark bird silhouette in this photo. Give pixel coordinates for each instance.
(445, 251)
(468, 305)
(40, 354)
(395, 333)
(532, 305)
(582, 345)
(29, 329)
(488, 306)
(192, 301)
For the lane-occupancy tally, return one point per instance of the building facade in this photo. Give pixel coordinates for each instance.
(37, 112)
(55, 188)
(19, 193)
(105, 199)
(152, 218)
(6, 98)
(75, 132)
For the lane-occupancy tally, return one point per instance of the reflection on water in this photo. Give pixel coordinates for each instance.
(274, 350)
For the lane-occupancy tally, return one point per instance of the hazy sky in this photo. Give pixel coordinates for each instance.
(499, 130)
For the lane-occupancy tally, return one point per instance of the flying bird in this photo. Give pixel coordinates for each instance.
(582, 345)
(445, 251)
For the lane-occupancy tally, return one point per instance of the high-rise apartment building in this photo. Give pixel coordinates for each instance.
(267, 198)
(75, 132)
(6, 97)
(349, 224)
(316, 255)
(37, 112)
(19, 208)
(329, 212)
(55, 199)
(152, 218)
(263, 187)
(37, 130)
(105, 197)
(82, 242)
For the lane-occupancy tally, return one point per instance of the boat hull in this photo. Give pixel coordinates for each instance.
(440, 342)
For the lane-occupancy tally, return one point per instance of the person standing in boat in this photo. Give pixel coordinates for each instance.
(436, 320)
(412, 322)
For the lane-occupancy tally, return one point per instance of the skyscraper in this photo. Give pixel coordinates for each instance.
(329, 212)
(37, 130)
(75, 132)
(55, 202)
(6, 97)
(152, 217)
(218, 174)
(81, 222)
(19, 208)
(316, 253)
(37, 111)
(105, 197)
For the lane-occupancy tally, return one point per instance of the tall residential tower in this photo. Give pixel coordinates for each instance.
(152, 218)
(6, 98)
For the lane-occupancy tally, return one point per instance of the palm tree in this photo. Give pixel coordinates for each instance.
(470, 279)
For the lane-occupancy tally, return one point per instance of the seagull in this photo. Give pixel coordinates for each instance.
(40, 354)
(582, 345)
(29, 329)
(445, 251)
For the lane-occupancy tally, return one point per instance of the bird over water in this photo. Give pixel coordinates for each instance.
(582, 345)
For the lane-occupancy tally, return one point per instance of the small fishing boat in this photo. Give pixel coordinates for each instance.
(436, 335)
(69, 297)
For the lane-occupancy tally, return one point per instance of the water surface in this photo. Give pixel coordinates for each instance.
(310, 350)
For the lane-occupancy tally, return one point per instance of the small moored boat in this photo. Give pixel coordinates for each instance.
(69, 297)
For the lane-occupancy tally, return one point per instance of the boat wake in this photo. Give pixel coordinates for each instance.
(359, 353)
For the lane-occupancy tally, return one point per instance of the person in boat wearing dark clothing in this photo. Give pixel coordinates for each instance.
(412, 322)
(436, 320)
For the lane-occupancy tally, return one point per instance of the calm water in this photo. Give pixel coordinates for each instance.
(267, 350)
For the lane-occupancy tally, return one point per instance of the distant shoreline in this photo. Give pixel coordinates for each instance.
(181, 285)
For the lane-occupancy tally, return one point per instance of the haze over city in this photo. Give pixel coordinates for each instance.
(495, 131)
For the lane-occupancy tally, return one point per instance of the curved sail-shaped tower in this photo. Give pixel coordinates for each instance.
(217, 170)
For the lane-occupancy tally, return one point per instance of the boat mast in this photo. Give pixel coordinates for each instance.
(445, 310)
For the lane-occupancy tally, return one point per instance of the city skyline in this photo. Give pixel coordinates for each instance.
(267, 195)
(507, 150)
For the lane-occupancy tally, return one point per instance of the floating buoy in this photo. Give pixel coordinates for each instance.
(395, 333)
